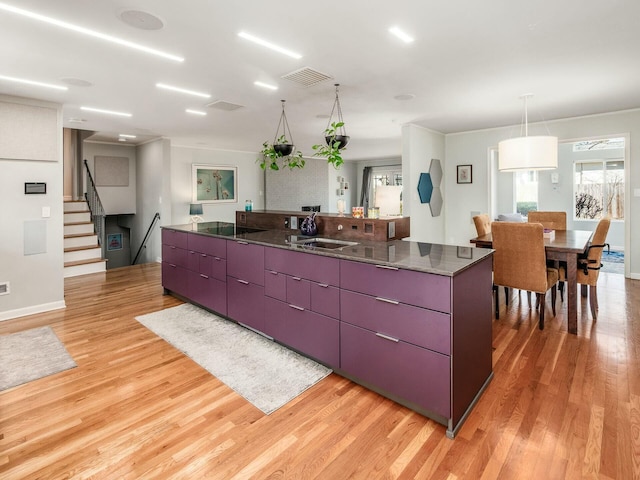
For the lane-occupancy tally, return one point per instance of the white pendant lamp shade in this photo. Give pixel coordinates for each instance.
(528, 153)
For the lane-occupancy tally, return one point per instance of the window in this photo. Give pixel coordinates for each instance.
(599, 189)
(526, 191)
(384, 176)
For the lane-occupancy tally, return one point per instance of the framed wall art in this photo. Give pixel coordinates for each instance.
(465, 174)
(214, 184)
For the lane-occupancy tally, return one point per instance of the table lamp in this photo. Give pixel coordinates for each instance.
(195, 210)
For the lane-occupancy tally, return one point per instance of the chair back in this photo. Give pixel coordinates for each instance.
(519, 260)
(594, 254)
(483, 224)
(552, 220)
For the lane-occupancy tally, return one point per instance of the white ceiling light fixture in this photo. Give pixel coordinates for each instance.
(182, 90)
(528, 152)
(32, 82)
(406, 38)
(265, 85)
(195, 112)
(108, 112)
(88, 31)
(272, 46)
(125, 135)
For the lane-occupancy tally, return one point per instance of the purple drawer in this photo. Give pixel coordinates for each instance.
(419, 326)
(175, 256)
(219, 268)
(325, 299)
(207, 291)
(216, 247)
(245, 261)
(174, 278)
(406, 286)
(175, 238)
(402, 370)
(304, 265)
(299, 292)
(275, 285)
(245, 303)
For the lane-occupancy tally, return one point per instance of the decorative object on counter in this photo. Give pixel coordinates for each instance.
(214, 184)
(281, 152)
(248, 206)
(374, 212)
(308, 226)
(195, 210)
(335, 136)
(341, 206)
(525, 152)
(465, 174)
(357, 212)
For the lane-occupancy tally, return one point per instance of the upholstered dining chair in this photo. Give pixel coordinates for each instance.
(482, 223)
(519, 261)
(551, 220)
(589, 265)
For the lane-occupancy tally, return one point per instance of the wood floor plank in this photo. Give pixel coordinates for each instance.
(560, 406)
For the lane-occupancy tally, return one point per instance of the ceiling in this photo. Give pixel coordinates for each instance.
(468, 66)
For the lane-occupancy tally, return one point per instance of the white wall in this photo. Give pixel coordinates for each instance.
(115, 200)
(36, 281)
(419, 147)
(473, 148)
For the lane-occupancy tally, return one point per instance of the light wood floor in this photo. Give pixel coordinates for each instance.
(560, 406)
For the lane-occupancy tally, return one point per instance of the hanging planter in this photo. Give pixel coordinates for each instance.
(282, 152)
(335, 136)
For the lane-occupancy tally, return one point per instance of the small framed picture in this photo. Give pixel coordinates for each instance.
(114, 241)
(465, 174)
(464, 252)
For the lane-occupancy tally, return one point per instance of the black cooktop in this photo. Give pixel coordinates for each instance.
(226, 229)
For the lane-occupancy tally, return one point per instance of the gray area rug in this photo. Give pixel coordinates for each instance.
(30, 355)
(265, 373)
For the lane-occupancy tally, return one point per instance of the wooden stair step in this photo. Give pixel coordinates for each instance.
(84, 262)
(77, 235)
(78, 223)
(83, 247)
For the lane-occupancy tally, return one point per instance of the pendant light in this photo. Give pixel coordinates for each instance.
(339, 133)
(528, 152)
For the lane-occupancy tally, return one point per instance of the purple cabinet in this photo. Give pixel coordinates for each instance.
(325, 299)
(308, 332)
(245, 261)
(275, 285)
(396, 368)
(299, 292)
(215, 247)
(174, 278)
(175, 255)
(207, 291)
(176, 238)
(245, 302)
(304, 265)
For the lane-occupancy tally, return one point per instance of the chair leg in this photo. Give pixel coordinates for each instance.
(583, 290)
(561, 288)
(593, 301)
(541, 297)
(529, 299)
(496, 291)
(553, 300)
(506, 295)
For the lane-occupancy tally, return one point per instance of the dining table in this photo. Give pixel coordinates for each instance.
(564, 246)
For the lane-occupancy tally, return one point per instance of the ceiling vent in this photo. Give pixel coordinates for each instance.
(226, 106)
(306, 76)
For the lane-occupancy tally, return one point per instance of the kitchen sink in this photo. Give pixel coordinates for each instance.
(324, 243)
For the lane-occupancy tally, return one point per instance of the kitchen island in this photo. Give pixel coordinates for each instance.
(409, 320)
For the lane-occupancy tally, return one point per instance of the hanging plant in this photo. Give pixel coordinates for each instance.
(281, 153)
(335, 136)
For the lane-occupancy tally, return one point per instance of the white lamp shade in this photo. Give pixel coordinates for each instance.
(528, 153)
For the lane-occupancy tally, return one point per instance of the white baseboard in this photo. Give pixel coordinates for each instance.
(22, 312)
(634, 276)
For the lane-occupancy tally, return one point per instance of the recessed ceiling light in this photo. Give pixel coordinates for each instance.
(400, 34)
(195, 112)
(108, 112)
(32, 82)
(405, 96)
(141, 20)
(76, 82)
(125, 135)
(182, 90)
(87, 31)
(265, 85)
(77, 120)
(264, 43)
(122, 139)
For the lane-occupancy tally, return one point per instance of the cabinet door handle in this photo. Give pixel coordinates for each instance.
(203, 275)
(171, 246)
(323, 285)
(243, 243)
(386, 300)
(244, 282)
(297, 307)
(217, 259)
(203, 254)
(387, 267)
(172, 265)
(386, 337)
(297, 279)
(272, 272)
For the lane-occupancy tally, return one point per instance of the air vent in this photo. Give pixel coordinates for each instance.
(4, 288)
(226, 106)
(306, 76)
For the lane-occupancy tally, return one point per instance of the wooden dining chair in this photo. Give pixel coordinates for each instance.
(519, 261)
(550, 220)
(589, 265)
(482, 223)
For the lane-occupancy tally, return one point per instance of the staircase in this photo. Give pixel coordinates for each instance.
(82, 253)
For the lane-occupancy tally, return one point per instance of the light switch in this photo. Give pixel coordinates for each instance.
(46, 212)
(636, 192)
